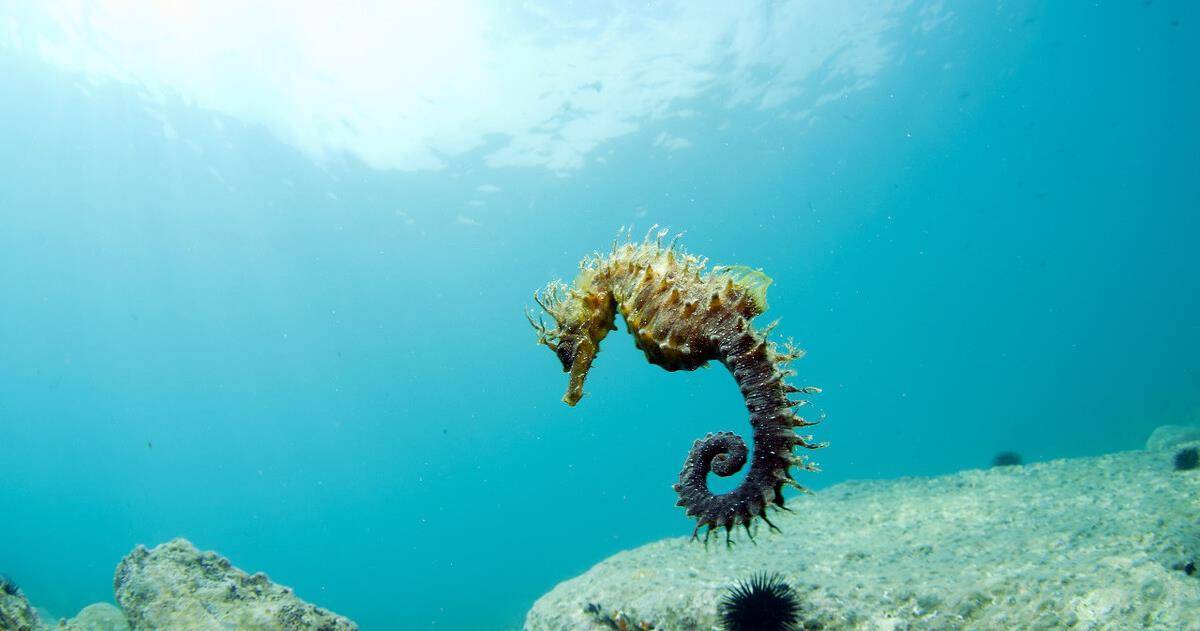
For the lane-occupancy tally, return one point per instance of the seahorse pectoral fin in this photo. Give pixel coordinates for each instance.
(585, 352)
(753, 281)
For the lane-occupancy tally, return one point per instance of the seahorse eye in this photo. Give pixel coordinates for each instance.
(567, 347)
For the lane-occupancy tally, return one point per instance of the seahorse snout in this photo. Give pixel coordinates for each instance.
(581, 361)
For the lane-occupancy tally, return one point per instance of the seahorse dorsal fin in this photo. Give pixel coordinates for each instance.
(754, 282)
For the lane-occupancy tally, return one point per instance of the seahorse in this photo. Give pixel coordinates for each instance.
(682, 317)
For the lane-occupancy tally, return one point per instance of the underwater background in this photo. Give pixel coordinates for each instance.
(262, 270)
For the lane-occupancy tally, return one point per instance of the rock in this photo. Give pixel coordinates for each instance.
(1093, 543)
(175, 586)
(97, 617)
(16, 614)
(44, 614)
(1168, 437)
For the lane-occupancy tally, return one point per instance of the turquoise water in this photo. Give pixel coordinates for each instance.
(265, 292)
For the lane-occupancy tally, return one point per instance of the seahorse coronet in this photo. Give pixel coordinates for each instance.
(683, 317)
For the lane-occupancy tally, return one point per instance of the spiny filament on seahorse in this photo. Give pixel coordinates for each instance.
(682, 317)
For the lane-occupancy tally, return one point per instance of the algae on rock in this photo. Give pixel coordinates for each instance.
(97, 617)
(175, 586)
(16, 614)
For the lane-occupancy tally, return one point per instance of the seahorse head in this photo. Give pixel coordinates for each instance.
(582, 317)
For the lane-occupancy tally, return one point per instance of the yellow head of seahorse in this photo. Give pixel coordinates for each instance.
(583, 314)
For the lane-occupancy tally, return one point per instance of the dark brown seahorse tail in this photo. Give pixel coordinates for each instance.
(682, 318)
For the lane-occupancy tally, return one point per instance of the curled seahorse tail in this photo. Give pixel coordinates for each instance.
(753, 364)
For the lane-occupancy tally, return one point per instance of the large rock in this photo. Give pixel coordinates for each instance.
(1097, 543)
(97, 617)
(1167, 437)
(175, 586)
(16, 614)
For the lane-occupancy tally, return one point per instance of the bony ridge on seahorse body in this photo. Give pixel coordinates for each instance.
(683, 317)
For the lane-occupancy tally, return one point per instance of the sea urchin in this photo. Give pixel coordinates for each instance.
(763, 603)
(1187, 459)
(1006, 459)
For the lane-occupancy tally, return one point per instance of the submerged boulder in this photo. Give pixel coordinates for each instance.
(1168, 437)
(1109, 542)
(175, 586)
(16, 614)
(97, 617)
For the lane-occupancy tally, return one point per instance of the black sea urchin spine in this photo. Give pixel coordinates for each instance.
(1187, 459)
(764, 603)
